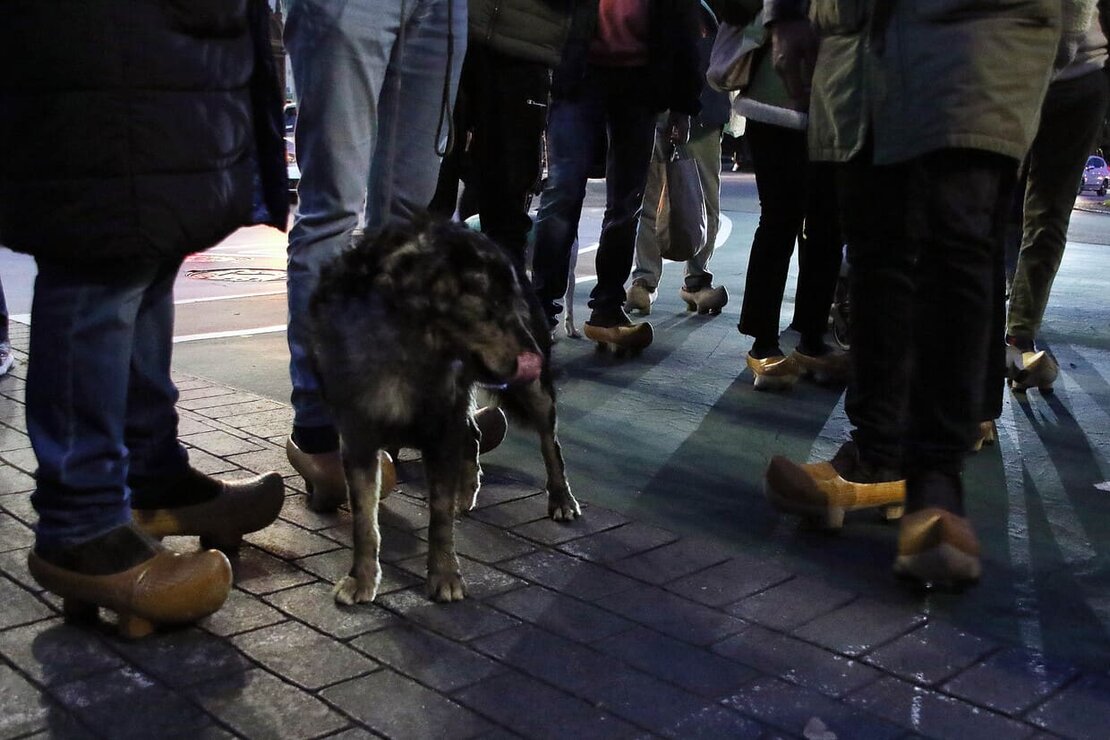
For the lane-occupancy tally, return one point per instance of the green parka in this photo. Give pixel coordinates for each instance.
(922, 75)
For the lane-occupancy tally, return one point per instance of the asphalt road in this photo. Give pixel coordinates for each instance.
(679, 437)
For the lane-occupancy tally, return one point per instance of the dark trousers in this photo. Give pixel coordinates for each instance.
(797, 201)
(924, 241)
(499, 118)
(612, 103)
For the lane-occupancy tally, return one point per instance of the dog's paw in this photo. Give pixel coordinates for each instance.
(446, 587)
(563, 508)
(351, 591)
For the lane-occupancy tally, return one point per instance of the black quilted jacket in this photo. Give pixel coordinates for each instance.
(136, 129)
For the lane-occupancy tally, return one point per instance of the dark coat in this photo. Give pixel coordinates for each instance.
(531, 30)
(136, 131)
(673, 78)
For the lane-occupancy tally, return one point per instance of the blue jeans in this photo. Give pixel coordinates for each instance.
(100, 401)
(367, 118)
(612, 104)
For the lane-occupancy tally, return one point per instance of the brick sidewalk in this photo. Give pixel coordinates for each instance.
(602, 628)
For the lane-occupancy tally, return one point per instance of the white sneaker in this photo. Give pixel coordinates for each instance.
(7, 359)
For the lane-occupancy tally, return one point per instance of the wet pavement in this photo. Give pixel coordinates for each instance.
(680, 605)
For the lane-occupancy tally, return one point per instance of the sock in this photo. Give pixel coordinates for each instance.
(813, 346)
(935, 489)
(114, 551)
(762, 348)
(168, 491)
(1025, 344)
(316, 440)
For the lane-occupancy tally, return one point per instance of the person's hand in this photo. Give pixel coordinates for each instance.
(794, 54)
(678, 128)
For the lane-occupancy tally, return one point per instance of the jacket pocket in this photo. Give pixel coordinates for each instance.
(838, 16)
(1041, 11)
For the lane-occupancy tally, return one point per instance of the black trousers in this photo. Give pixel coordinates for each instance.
(499, 121)
(797, 202)
(924, 242)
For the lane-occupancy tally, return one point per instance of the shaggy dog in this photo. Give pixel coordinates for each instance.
(405, 325)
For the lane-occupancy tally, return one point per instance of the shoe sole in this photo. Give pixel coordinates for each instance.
(828, 518)
(775, 382)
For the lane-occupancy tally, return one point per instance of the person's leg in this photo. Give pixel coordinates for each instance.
(779, 155)
(881, 285)
(508, 146)
(339, 53)
(705, 147)
(82, 333)
(445, 201)
(820, 250)
(956, 207)
(1071, 121)
(631, 135)
(412, 121)
(648, 263)
(574, 130)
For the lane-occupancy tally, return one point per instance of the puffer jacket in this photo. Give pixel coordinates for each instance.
(530, 30)
(673, 78)
(136, 131)
(922, 75)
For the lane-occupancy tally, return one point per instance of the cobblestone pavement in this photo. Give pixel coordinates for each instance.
(607, 627)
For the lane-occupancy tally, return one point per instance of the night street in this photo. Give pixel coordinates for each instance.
(680, 605)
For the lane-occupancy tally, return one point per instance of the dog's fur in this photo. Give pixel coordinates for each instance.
(405, 325)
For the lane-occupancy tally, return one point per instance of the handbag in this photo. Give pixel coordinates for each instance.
(733, 54)
(680, 221)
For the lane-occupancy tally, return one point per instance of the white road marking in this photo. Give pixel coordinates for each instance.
(232, 333)
(235, 297)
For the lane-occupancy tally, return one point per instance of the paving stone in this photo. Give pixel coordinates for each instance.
(13, 481)
(430, 659)
(14, 534)
(715, 722)
(331, 566)
(598, 678)
(561, 614)
(403, 512)
(276, 416)
(276, 432)
(482, 581)
(930, 713)
(264, 461)
(258, 572)
(859, 626)
(227, 412)
(185, 657)
(673, 615)
(219, 443)
(396, 544)
(398, 707)
(575, 577)
(791, 604)
(224, 399)
(288, 541)
(673, 561)
(731, 580)
(539, 711)
(20, 605)
(303, 655)
(241, 613)
(513, 513)
(315, 604)
(460, 620)
(1081, 710)
(51, 652)
(188, 425)
(550, 532)
(210, 464)
(931, 654)
(23, 709)
(692, 668)
(619, 542)
(295, 510)
(796, 661)
(494, 493)
(792, 708)
(484, 543)
(10, 439)
(258, 705)
(14, 565)
(203, 391)
(354, 733)
(1011, 681)
(20, 507)
(24, 460)
(128, 703)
